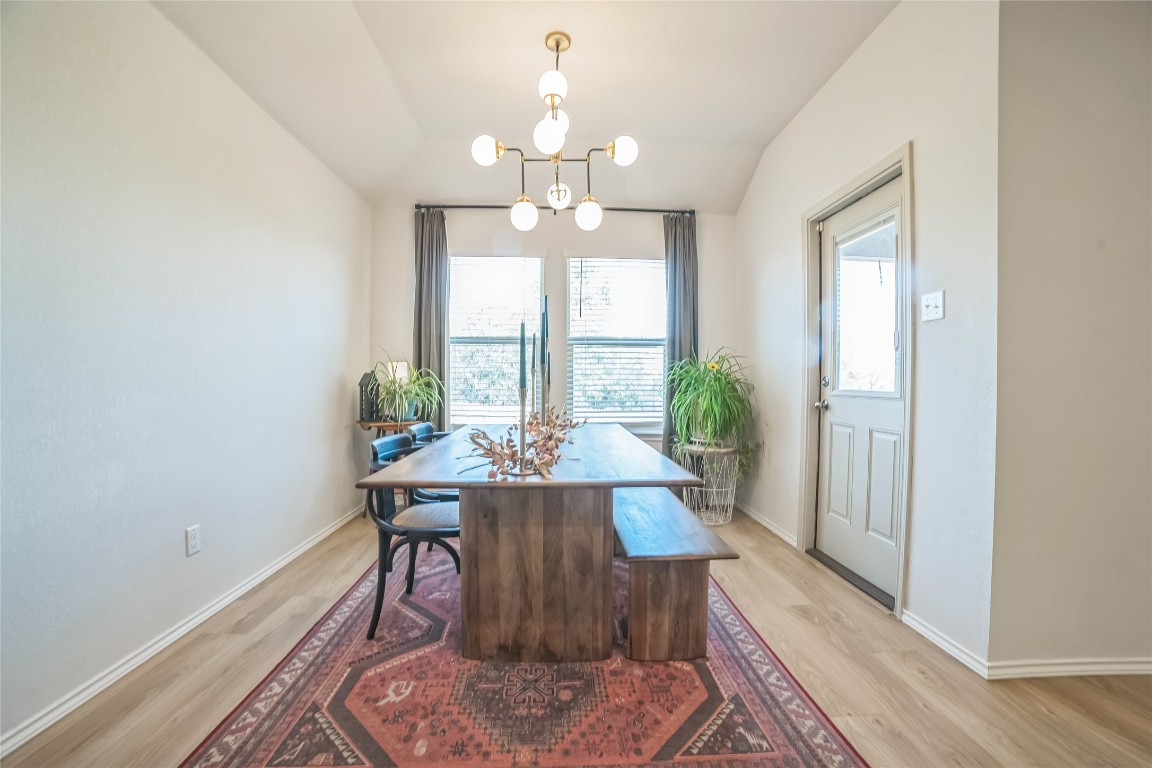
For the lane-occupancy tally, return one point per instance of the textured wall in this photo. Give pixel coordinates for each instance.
(184, 321)
(926, 75)
(1072, 577)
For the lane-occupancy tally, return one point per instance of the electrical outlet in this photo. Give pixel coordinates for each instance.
(191, 540)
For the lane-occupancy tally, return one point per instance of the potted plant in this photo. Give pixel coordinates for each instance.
(712, 415)
(405, 393)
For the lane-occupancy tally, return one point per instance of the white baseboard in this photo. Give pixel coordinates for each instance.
(952, 648)
(62, 706)
(1003, 670)
(764, 521)
(1006, 670)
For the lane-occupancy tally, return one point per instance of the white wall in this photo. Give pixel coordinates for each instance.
(720, 285)
(555, 238)
(1072, 577)
(926, 75)
(184, 321)
(393, 278)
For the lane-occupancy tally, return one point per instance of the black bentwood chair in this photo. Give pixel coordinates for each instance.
(424, 434)
(416, 524)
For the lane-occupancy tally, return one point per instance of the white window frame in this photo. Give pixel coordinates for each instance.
(643, 427)
(479, 340)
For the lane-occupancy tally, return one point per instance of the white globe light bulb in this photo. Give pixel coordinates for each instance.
(625, 150)
(484, 150)
(589, 214)
(548, 137)
(552, 83)
(524, 214)
(561, 118)
(559, 196)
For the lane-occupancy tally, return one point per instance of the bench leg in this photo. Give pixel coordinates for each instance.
(667, 609)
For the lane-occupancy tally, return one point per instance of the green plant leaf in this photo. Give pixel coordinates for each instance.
(422, 388)
(711, 405)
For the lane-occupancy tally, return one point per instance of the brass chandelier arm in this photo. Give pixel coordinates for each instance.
(588, 168)
(522, 161)
(587, 160)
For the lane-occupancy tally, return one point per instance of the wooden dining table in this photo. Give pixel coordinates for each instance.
(536, 552)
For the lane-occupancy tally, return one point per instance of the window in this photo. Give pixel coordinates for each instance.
(489, 296)
(617, 311)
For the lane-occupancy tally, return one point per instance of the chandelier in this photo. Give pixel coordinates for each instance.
(548, 136)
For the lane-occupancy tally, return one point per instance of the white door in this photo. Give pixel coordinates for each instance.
(861, 402)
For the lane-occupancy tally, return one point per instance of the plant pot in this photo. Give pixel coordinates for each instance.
(408, 415)
(698, 443)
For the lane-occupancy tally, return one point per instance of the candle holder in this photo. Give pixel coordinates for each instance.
(543, 388)
(521, 469)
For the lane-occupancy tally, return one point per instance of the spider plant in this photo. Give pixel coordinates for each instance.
(404, 392)
(712, 405)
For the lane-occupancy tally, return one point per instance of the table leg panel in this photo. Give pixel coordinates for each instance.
(518, 557)
(536, 582)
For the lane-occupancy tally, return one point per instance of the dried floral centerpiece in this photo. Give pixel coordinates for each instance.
(547, 433)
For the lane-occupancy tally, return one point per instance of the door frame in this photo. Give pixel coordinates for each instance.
(897, 165)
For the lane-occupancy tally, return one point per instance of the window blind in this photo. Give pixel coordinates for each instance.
(489, 296)
(617, 310)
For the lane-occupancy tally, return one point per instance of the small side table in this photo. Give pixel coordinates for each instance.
(718, 468)
(384, 427)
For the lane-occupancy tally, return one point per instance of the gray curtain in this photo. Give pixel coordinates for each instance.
(683, 328)
(430, 320)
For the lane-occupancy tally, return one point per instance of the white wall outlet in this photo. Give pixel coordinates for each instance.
(932, 306)
(191, 540)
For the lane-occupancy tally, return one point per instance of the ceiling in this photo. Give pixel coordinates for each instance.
(390, 95)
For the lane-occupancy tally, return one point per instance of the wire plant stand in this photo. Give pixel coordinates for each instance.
(718, 468)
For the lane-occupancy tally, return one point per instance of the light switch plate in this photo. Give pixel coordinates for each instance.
(932, 306)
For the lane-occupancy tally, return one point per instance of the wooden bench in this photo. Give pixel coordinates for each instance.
(667, 550)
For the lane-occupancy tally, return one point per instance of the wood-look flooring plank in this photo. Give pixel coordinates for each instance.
(900, 700)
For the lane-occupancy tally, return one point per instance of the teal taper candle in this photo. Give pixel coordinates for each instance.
(523, 370)
(544, 333)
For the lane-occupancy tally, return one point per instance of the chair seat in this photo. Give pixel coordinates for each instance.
(441, 514)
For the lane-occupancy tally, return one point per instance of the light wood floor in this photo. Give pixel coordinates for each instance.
(899, 699)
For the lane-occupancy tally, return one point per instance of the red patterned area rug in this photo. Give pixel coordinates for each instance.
(407, 698)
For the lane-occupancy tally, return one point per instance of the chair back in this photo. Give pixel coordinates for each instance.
(385, 450)
(388, 448)
(421, 432)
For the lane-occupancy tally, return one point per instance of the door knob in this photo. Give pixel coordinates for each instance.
(820, 405)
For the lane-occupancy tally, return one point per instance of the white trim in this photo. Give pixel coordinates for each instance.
(67, 703)
(897, 165)
(764, 521)
(947, 644)
(1003, 670)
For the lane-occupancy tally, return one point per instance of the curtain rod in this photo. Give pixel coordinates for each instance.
(424, 207)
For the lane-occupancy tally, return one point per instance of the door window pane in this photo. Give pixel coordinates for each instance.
(866, 350)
